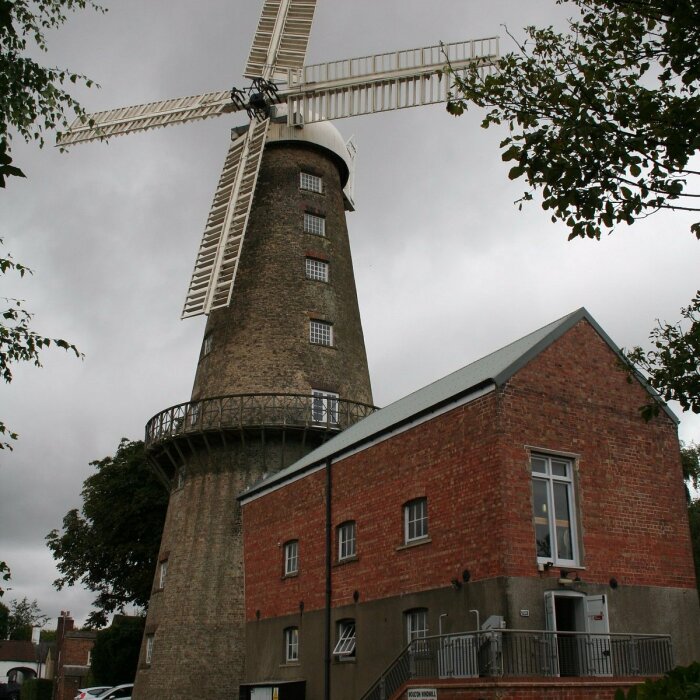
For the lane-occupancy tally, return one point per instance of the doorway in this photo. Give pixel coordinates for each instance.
(581, 646)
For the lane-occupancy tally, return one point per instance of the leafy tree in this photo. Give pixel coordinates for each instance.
(24, 614)
(115, 655)
(680, 683)
(4, 621)
(111, 547)
(32, 101)
(602, 118)
(672, 363)
(32, 97)
(603, 122)
(19, 343)
(4, 574)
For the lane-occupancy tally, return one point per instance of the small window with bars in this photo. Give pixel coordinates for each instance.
(310, 182)
(149, 648)
(316, 270)
(321, 333)
(314, 224)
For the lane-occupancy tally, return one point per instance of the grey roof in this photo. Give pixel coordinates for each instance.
(492, 370)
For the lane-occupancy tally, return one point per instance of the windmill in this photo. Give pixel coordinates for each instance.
(211, 448)
(281, 88)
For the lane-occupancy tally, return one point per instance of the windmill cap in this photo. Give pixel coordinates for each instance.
(322, 135)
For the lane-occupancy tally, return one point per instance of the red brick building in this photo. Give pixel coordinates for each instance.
(73, 650)
(523, 491)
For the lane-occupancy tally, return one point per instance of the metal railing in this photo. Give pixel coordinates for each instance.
(525, 653)
(246, 411)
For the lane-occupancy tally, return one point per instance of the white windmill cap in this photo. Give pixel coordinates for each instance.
(323, 135)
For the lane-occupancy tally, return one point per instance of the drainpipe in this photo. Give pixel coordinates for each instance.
(327, 631)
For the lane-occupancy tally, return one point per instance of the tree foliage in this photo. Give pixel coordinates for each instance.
(680, 683)
(115, 655)
(33, 98)
(673, 364)
(111, 546)
(23, 615)
(4, 576)
(603, 118)
(18, 342)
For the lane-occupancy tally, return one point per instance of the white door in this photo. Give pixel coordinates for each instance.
(598, 658)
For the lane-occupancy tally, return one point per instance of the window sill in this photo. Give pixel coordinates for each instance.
(560, 565)
(293, 574)
(158, 590)
(414, 543)
(346, 560)
(290, 664)
(343, 660)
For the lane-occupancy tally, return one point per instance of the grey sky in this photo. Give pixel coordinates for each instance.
(447, 268)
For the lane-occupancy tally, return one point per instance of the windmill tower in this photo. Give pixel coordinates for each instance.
(282, 365)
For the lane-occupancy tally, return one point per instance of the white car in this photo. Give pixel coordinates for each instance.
(90, 693)
(120, 692)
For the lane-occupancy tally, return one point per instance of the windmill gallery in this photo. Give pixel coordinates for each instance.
(310, 537)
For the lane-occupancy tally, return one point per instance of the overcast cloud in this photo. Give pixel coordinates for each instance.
(447, 268)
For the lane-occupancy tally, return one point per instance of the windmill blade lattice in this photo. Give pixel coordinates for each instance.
(126, 120)
(281, 38)
(220, 250)
(382, 82)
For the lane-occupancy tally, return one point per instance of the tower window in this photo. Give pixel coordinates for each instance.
(163, 573)
(149, 648)
(321, 333)
(206, 345)
(314, 224)
(310, 182)
(316, 270)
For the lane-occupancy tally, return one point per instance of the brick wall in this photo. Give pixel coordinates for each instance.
(472, 464)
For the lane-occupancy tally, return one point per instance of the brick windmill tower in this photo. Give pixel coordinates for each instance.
(283, 364)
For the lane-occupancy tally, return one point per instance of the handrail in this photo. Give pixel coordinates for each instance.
(507, 652)
(255, 410)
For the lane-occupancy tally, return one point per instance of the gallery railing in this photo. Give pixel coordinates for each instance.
(525, 653)
(246, 411)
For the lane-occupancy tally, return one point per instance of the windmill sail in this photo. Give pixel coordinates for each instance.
(126, 120)
(220, 250)
(281, 38)
(381, 82)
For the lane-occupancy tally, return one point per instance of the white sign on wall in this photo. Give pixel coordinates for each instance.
(422, 694)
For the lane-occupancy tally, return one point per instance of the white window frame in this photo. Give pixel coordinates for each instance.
(550, 480)
(316, 269)
(321, 333)
(347, 540)
(324, 407)
(180, 477)
(163, 573)
(416, 624)
(206, 344)
(347, 639)
(313, 223)
(415, 519)
(150, 640)
(291, 557)
(311, 183)
(291, 644)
